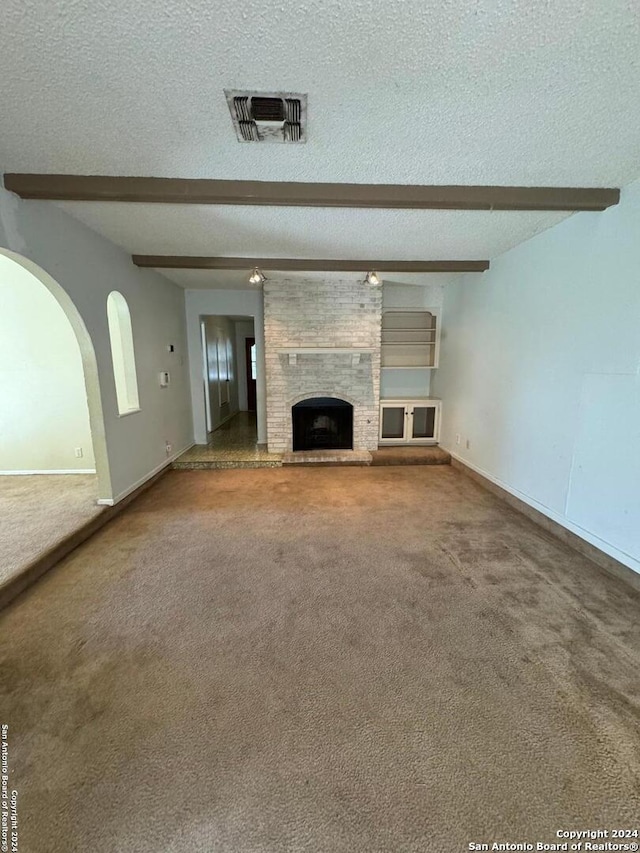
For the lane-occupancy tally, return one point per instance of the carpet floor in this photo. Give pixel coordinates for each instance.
(345, 659)
(37, 512)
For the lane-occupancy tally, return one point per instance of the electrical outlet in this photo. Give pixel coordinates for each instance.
(78, 453)
(457, 438)
(468, 444)
(169, 448)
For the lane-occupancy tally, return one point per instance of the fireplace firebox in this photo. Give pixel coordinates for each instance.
(322, 423)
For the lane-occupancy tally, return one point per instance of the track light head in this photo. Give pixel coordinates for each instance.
(372, 278)
(256, 276)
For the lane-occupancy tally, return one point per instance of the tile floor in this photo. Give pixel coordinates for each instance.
(233, 445)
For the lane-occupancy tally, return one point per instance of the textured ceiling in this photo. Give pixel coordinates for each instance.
(162, 229)
(407, 91)
(400, 91)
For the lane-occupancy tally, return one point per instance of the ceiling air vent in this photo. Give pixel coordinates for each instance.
(268, 116)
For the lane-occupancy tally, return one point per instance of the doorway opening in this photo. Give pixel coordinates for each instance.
(230, 373)
(251, 372)
(53, 458)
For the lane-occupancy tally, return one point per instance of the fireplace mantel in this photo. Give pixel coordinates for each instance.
(354, 352)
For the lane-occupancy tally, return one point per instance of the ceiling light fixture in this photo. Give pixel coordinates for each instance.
(372, 278)
(256, 276)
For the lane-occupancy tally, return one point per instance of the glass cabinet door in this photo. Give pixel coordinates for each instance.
(423, 422)
(393, 422)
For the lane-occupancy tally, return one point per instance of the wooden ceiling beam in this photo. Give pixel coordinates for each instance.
(187, 262)
(291, 194)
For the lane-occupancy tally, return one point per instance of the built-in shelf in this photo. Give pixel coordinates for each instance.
(410, 339)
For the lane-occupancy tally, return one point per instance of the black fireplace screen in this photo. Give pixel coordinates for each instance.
(322, 423)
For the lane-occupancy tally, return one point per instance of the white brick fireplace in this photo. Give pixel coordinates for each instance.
(322, 339)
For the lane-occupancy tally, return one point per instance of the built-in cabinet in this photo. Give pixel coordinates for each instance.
(410, 339)
(405, 421)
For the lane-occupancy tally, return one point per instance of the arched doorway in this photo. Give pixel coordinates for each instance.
(88, 361)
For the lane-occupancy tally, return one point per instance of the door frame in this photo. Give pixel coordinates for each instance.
(252, 384)
(205, 375)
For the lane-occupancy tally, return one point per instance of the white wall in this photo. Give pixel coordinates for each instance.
(88, 268)
(540, 361)
(43, 410)
(245, 303)
(402, 382)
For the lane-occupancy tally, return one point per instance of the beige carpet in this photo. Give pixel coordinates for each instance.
(37, 512)
(411, 455)
(352, 659)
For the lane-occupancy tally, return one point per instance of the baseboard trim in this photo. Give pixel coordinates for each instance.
(48, 471)
(605, 555)
(16, 585)
(164, 465)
